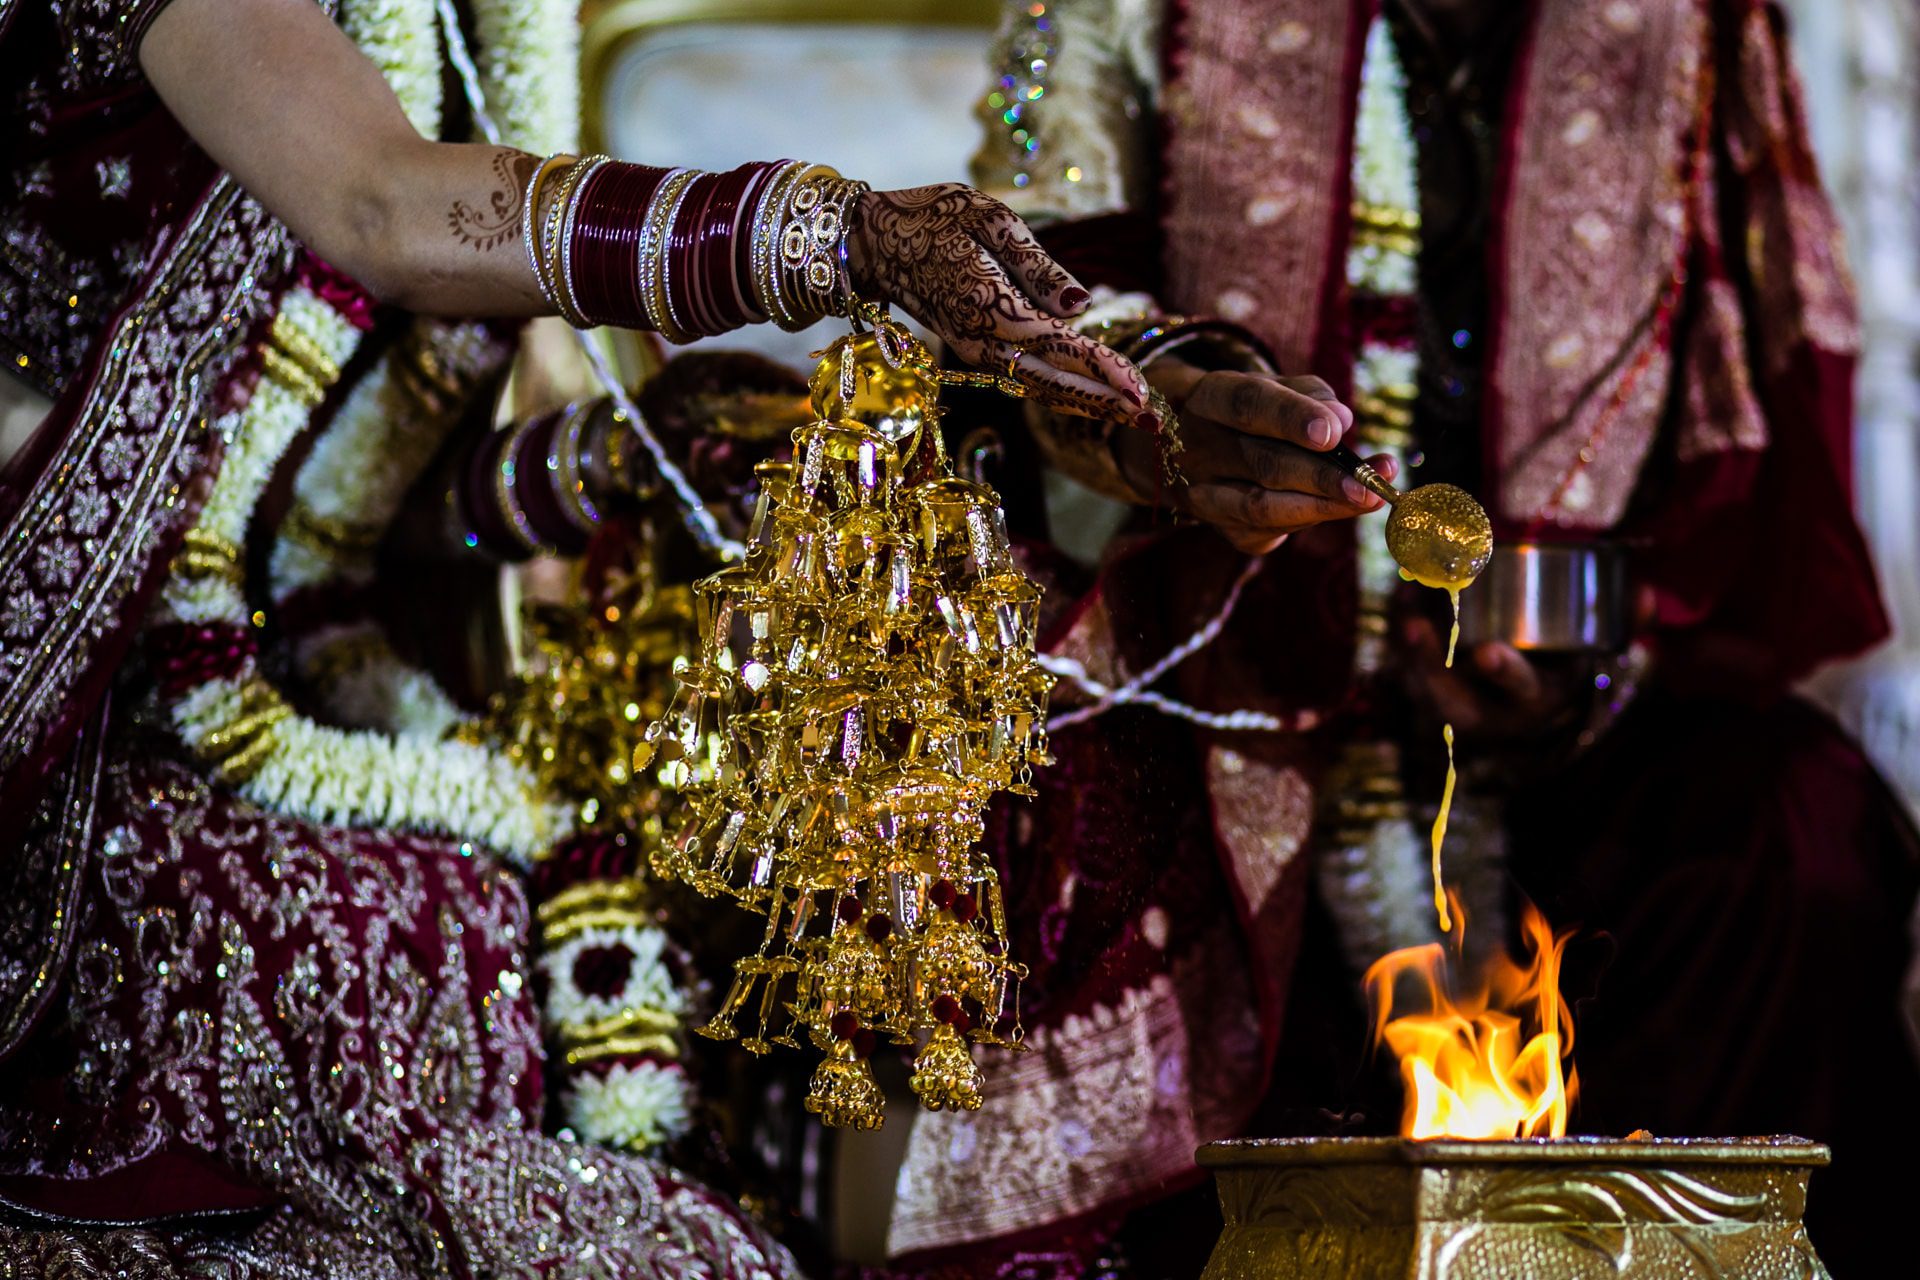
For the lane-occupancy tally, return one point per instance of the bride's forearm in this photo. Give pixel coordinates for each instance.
(284, 101)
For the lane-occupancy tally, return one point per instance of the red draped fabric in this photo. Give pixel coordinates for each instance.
(260, 1045)
(1672, 343)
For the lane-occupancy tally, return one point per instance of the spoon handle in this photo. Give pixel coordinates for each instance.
(1362, 470)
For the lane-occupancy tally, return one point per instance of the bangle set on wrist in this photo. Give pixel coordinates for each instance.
(685, 253)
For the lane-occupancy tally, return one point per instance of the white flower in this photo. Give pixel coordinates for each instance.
(635, 1106)
(648, 983)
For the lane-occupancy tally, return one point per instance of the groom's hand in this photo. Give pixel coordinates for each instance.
(1253, 460)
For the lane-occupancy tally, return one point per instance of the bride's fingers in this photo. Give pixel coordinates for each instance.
(986, 322)
(1071, 352)
(1064, 391)
(1012, 245)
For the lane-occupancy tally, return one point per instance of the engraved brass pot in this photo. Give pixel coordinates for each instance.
(1546, 1209)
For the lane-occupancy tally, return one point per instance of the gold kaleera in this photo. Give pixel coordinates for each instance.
(865, 683)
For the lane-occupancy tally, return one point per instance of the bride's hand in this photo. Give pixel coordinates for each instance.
(966, 267)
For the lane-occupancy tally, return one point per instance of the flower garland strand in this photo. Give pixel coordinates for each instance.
(219, 702)
(226, 711)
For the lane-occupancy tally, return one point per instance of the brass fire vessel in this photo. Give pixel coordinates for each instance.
(1547, 1209)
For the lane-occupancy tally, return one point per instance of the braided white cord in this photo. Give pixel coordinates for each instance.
(1135, 691)
(699, 521)
(462, 59)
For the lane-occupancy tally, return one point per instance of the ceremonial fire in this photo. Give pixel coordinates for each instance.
(1487, 1061)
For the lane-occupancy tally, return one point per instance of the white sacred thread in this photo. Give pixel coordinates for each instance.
(1135, 691)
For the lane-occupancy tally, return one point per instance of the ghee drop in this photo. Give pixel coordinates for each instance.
(1453, 639)
(1440, 838)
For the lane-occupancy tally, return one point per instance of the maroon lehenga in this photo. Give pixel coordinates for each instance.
(232, 1042)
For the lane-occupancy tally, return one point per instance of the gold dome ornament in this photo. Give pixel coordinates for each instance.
(865, 684)
(844, 1093)
(858, 382)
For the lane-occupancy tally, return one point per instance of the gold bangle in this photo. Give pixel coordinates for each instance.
(655, 235)
(506, 479)
(813, 231)
(563, 467)
(552, 238)
(529, 221)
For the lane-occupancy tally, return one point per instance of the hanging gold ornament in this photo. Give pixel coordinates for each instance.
(865, 683)
(576, 715)
(843, 1093)
(945, 1077)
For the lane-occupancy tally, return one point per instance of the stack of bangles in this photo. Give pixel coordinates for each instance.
(684, 253)
(537, 488)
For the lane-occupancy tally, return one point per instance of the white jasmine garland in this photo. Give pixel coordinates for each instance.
(365, 685)
(357, 777)
(1384, 164)
(1385, 178)
(649, 985)
(400, 38)
(636, 1106)
(529, 64)
(379, 441)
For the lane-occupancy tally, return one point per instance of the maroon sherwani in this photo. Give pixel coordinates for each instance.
(1655, 344)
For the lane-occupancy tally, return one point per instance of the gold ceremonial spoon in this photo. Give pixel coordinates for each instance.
(1438, 533)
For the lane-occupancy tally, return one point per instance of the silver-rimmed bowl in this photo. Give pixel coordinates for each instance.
(1550, 597)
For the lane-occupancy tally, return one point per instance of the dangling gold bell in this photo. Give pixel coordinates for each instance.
(854, 974)
(855, 382)
(844, 1093)
(944, 1075)
(953, 960)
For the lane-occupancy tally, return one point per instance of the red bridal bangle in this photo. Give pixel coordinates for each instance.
(684, 295)
(689, 254)
(714, 271)
(606, 238)
(521, 492)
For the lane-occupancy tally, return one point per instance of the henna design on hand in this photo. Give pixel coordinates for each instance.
(969, 269)
(497, 219)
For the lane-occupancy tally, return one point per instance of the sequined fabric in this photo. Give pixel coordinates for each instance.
(131, 271)
(341, 1019)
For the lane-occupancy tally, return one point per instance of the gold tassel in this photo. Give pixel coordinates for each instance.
(844, 1094)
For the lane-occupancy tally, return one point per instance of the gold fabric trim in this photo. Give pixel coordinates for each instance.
(1262, 814)
(42, 888)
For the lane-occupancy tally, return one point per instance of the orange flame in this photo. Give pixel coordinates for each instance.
(1487, 1063)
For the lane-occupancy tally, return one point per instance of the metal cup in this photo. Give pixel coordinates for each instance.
(1550, 597)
